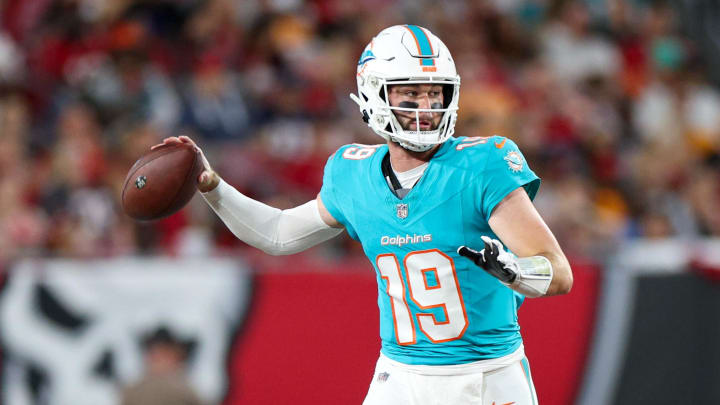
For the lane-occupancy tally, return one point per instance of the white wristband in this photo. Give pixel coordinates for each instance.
(534, 276)
(274, 231)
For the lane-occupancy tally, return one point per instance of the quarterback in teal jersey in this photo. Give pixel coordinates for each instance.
(419, 204)
(435, 306)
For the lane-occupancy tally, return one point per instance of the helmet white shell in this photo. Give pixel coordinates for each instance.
(406, 54)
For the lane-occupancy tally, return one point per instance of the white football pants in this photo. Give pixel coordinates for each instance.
(502, 381)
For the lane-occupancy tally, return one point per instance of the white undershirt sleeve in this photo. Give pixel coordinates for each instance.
(274, 231)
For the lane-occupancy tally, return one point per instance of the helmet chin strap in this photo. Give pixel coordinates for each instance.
(413, 147)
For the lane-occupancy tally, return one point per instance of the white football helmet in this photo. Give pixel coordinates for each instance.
(406, 54)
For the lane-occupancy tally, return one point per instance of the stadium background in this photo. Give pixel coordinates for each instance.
(614, 104)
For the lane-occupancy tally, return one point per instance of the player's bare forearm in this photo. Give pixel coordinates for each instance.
(522, 230)
(562, 275)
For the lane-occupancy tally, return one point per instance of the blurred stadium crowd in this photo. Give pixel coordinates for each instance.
(608, 101)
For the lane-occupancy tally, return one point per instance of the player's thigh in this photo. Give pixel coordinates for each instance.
(511, 384)
(388, 386)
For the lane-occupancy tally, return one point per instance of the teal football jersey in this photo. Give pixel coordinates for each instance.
(436, 307)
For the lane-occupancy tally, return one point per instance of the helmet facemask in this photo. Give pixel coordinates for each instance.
(419, 140)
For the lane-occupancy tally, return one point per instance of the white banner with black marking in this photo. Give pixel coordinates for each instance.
(72, 331)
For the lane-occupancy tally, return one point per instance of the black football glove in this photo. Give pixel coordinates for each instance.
(493, 259)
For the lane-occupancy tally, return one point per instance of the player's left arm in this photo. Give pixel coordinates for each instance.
(541, 267)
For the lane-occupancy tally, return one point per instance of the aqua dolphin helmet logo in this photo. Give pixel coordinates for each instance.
(366, 57)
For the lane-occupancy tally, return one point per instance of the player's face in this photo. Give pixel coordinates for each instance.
(417, 96)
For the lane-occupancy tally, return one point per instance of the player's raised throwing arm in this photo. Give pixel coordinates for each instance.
(541, 267)
(274, 231)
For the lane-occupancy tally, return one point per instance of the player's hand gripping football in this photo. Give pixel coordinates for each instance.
(493, 259)
(208, 179)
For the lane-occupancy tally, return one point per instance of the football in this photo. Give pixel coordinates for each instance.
(161, 182)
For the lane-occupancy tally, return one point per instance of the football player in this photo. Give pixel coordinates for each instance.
(447, 223)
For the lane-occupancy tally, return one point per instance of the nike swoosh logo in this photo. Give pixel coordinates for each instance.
(509, 403)
(500, 146)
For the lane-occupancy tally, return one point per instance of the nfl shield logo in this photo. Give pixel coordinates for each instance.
(402, 211)
(140, 182)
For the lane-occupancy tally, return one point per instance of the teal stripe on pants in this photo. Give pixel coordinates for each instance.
(526, 369)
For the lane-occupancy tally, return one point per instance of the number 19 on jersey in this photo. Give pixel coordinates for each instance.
(432, 283)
